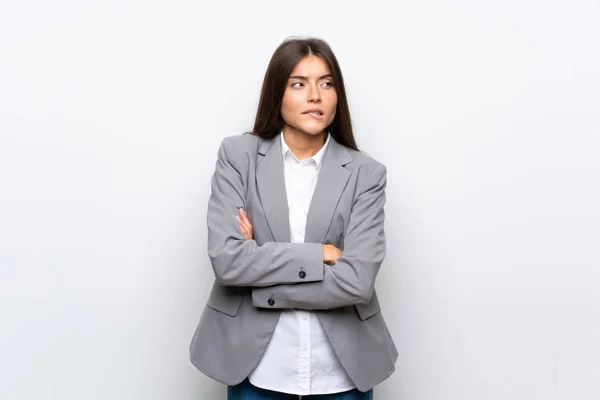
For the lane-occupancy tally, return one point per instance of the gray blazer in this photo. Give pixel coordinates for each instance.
(256, 279)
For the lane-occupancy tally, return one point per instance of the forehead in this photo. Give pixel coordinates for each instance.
(311, 66)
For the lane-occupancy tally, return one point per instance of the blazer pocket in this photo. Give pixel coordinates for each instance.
(225, 300)
(366, 311)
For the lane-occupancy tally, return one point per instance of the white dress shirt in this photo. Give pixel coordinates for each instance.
(299, 358)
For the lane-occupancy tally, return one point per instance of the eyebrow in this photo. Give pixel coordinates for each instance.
(304, 78)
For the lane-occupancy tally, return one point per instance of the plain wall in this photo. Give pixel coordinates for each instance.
(487, 115)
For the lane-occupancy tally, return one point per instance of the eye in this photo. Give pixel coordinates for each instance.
(297, 84)
(328, 84)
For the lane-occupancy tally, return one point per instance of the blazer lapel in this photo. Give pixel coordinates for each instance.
(270, 181)
(330, 185)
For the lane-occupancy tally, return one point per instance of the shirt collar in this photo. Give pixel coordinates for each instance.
(318, 157)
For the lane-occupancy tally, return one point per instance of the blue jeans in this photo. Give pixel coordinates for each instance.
(247, 391)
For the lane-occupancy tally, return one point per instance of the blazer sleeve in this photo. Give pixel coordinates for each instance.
(240, 262)
(351, 279)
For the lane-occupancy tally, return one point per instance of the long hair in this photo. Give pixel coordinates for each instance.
(268, 122)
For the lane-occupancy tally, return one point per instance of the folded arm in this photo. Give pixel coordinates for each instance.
(351, 279)
(240, 262)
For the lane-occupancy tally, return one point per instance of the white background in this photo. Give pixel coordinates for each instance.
(487, 115)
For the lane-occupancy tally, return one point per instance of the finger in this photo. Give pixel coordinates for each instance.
(247, 235)
(245, 219)
(241, 226)
(244, 215)
(244, 229)
(244, 232)
(240, 221)
(241, 217)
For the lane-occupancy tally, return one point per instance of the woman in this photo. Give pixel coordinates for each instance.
(293, 311)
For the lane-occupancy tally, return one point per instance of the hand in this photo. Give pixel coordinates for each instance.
(244, 224)
(331, 254)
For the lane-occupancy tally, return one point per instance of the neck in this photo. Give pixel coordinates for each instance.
(303, 145)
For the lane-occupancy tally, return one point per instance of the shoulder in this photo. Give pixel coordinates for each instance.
(239, 148)
(239, 144)
(366, 166)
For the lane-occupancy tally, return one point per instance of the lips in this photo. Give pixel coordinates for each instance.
(314, 112)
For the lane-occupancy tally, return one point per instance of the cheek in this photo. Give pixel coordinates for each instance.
(333, 106)
(332, 100)
(288, 106)
(331, 117)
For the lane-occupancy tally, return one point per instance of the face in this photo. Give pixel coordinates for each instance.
(310, 99)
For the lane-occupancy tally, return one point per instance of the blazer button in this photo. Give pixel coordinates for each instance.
(302, 274)
(271, 301)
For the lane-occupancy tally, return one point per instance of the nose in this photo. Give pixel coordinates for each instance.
(314, 96)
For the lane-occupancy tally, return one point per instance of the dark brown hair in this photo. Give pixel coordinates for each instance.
(268, 122)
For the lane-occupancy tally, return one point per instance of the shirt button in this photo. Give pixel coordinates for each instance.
(302, 274)
(271, 301)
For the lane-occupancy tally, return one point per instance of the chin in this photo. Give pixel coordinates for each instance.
(312, 130)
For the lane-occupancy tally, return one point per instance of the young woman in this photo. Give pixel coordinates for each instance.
(293, 312)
